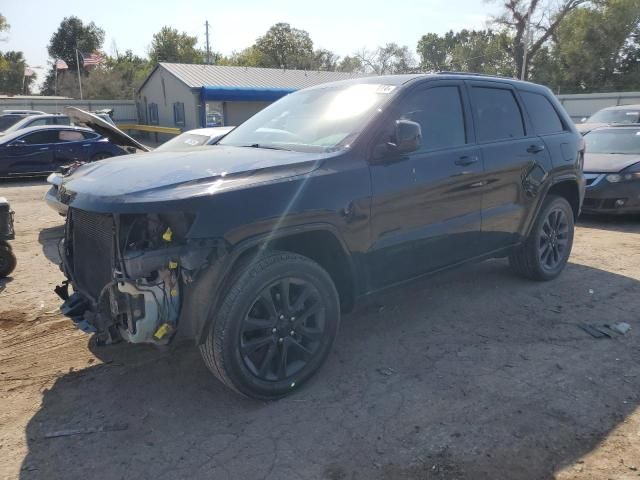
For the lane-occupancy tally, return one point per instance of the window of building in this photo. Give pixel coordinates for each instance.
(178, 113)
(497, 114)
(544, 117)
(153, 114)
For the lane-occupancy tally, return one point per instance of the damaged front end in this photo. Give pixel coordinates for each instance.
(128, 273)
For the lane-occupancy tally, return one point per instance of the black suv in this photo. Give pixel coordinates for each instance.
(254, 246)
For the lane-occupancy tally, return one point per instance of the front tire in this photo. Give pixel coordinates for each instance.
(8, 260)
(546, 250)
(275, 327)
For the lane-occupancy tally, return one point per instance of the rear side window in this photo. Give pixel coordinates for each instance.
(497, 114)
(438, 110)
(70, 136)
(89, 135)
(544, 117)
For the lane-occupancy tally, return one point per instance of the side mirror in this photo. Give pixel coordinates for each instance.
(408, 136)
(18, 143)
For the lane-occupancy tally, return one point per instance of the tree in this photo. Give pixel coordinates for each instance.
(12, 79)
(388, 59)
(285, 47)
(481, 51)
(4, 26)
(72, 35)
(350, 64)
(540, 20)
(169, 45)
(595, 48)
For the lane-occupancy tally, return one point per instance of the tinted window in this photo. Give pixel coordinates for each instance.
(39, 122)
(62, 120)
(439, 112)
(7, 121)
(89, 135)
(497, 114)
(544, 117)
(43, 137)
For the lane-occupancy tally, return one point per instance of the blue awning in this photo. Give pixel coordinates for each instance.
(244, 94)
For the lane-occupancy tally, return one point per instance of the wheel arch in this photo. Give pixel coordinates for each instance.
(319, 242)
(566, 186)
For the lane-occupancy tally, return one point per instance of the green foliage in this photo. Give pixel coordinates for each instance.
(169, 45)
(285, 47)
(12, 79)
(482, 51)
(596, 48)
(73, 34)
(388, 59)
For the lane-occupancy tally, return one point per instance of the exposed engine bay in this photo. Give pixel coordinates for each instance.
(128, 273)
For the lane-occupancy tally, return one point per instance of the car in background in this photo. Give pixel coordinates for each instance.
(36, 121)
(40, 150)
(612, 170)
(194, 138)
(619, 115)
(108, 131)
(22, 112)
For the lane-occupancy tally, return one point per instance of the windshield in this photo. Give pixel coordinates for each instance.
(615, 116)
(623, 141)
(184, 141)
(317, 120)
(7, 121)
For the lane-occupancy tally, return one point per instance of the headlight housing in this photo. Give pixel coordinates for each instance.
(630, 173)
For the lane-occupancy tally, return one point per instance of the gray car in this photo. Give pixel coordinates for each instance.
(619, 115)
(612, 170)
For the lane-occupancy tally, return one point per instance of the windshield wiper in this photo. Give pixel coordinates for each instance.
(268, 147)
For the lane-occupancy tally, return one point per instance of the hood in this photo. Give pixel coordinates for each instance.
(585, 128)
(608, 162)
(169, 176)
(104, 128)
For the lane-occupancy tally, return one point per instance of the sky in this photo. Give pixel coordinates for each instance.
(338, 25)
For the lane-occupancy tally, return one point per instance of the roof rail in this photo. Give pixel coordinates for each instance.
(444, 72)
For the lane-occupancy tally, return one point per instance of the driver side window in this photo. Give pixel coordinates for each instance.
(439, 112)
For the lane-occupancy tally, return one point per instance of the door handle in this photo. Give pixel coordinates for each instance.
(535, 148)
(43, 148)
(86, 145)
(466, 160)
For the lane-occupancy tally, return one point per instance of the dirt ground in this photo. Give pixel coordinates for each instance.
(472, 374)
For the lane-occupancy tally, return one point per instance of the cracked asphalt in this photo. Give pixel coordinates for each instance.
(471, 374)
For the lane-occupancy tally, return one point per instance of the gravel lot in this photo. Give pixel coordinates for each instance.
(471, 374)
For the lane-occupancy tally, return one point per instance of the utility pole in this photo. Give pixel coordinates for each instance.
(206, 25)
(78, 68)
(525, 44)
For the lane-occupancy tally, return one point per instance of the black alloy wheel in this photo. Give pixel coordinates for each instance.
(282, 331)
(554, 239)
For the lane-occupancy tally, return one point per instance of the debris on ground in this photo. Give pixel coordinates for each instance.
(594, 331)
(85, 431)
(622, 328)
(386, 371)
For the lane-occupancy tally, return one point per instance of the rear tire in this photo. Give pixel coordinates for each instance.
(8, 261)
(275, 327)
(545, 252)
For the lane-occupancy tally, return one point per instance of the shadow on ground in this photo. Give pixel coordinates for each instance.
(50, 238)
(471, 374)
(614, 223)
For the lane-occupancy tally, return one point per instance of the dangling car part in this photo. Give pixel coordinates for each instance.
(7, 232)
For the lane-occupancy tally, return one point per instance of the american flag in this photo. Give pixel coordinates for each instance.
(92, 59)
(61, 65)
